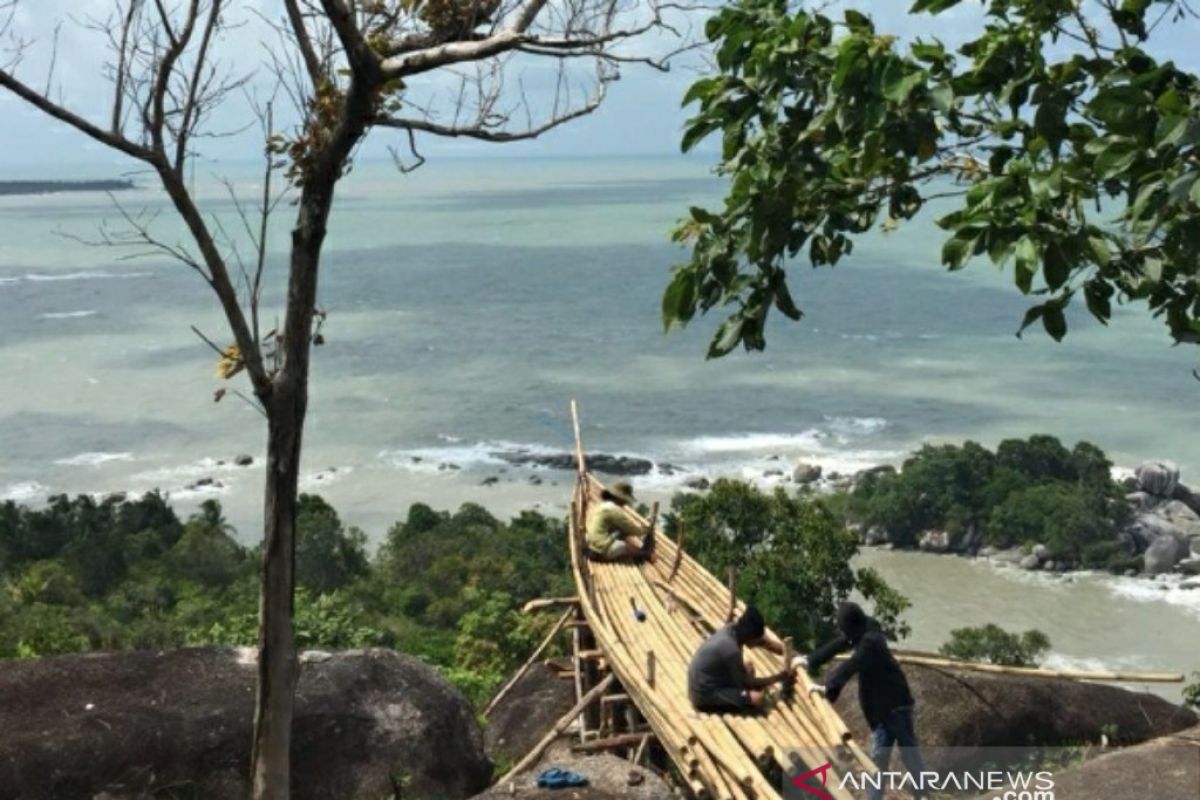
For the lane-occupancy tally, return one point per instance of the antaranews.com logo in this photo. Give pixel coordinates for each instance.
(1007, 784)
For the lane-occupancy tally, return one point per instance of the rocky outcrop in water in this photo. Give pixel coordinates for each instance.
(130, 724)
(597, 462)
(1165, 525)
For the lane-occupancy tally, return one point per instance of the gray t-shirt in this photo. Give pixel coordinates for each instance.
(717, 665)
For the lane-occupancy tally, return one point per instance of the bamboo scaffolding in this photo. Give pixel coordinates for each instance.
(520, 673)
(561, 725)
(1035, 672)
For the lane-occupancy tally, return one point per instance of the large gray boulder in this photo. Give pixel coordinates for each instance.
(1167, 768)
(526, 712)
(806, 473)
(1158, 478)
(130, 725)
(961, 709)
(1163, 554)
(934, 541)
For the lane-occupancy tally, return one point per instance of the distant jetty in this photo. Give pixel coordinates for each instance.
(54, 187)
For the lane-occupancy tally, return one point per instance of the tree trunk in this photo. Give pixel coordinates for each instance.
(278, 668)
(277, 664)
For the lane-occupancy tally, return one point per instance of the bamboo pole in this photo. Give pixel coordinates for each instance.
(561, 725)
(1036, 672)
(540, 603)
(678, 552)
(520, 673)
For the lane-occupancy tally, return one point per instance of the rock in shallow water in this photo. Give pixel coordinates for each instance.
(1163, 554)
(806, 473)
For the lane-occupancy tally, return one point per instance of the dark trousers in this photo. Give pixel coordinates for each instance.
(896, 729)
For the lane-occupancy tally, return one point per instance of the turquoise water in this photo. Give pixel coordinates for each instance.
(468, 302)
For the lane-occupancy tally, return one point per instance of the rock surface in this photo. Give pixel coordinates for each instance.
(608, 779)
(972, 709)
(806, 473)
(1167, 768)
(526, 712)
(597, 462)
(1158, 478)
(130, 724)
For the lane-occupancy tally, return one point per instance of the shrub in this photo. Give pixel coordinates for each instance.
(994, 644)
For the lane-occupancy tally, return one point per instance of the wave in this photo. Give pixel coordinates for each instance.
(25, 492)
(455, 455)
(67, 314)
(86, 275)
(753, 442)
(1164, 589)
(93, 459)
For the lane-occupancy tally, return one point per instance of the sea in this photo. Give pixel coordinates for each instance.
(470, 301)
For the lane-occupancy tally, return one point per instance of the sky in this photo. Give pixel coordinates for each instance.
(641, 116)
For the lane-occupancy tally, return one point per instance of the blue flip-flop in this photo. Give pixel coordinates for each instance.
(555, 778)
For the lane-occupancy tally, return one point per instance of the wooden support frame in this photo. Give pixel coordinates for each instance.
(561, 725)
(520, 673)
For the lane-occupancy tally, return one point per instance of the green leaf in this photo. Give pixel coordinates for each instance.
(1117, 157)
(1055, 321)
(859, 22)
(898, 86)
(700, 89)
(679, 299)
(784, 302)
(1031, 316)
(932, 6)
(1098, 294)
(1170, 130)
(959, 248)
(1101, 254)
(1056, 266)
(727, 335)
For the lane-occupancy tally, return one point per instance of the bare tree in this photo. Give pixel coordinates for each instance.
(490, 70)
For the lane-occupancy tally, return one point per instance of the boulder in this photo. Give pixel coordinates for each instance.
(1030, 561)
(971, 541)
(597, 462)
(806, 473)
(1190, 566)
(934, 541)
(132, 724)
(526, 712)
(875, 535)
(699, 483)
(1041, 551)
(243, 460)
(1142, 501)
(1185, 495)
(608, 777)
(1158, 478)
(960, 709)
(1167, 768)
(1163, 554)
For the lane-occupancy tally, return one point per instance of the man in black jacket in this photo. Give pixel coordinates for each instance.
(883, 691)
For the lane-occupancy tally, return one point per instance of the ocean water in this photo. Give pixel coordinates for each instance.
(468, 302)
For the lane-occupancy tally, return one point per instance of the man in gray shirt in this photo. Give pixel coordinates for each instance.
(720, 680)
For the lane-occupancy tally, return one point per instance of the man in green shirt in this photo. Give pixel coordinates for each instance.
(610, 528)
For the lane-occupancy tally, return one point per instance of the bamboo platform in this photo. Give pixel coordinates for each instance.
(720, 756)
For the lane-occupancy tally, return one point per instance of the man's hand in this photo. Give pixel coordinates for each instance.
(800, 664)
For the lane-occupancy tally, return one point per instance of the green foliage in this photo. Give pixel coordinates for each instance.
(792, 556)
(993, 644)
(1191, 692)
(1027, 492)
(1069, 147)
(328, 556)
(444, 586)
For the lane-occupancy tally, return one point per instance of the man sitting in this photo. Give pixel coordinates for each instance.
(720, 679)
(610, 528)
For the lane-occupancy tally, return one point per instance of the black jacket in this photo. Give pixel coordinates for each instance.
(882, 686)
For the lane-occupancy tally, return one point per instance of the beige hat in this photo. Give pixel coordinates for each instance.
(621, 490)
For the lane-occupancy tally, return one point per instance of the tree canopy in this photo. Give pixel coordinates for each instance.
(1070, 151)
